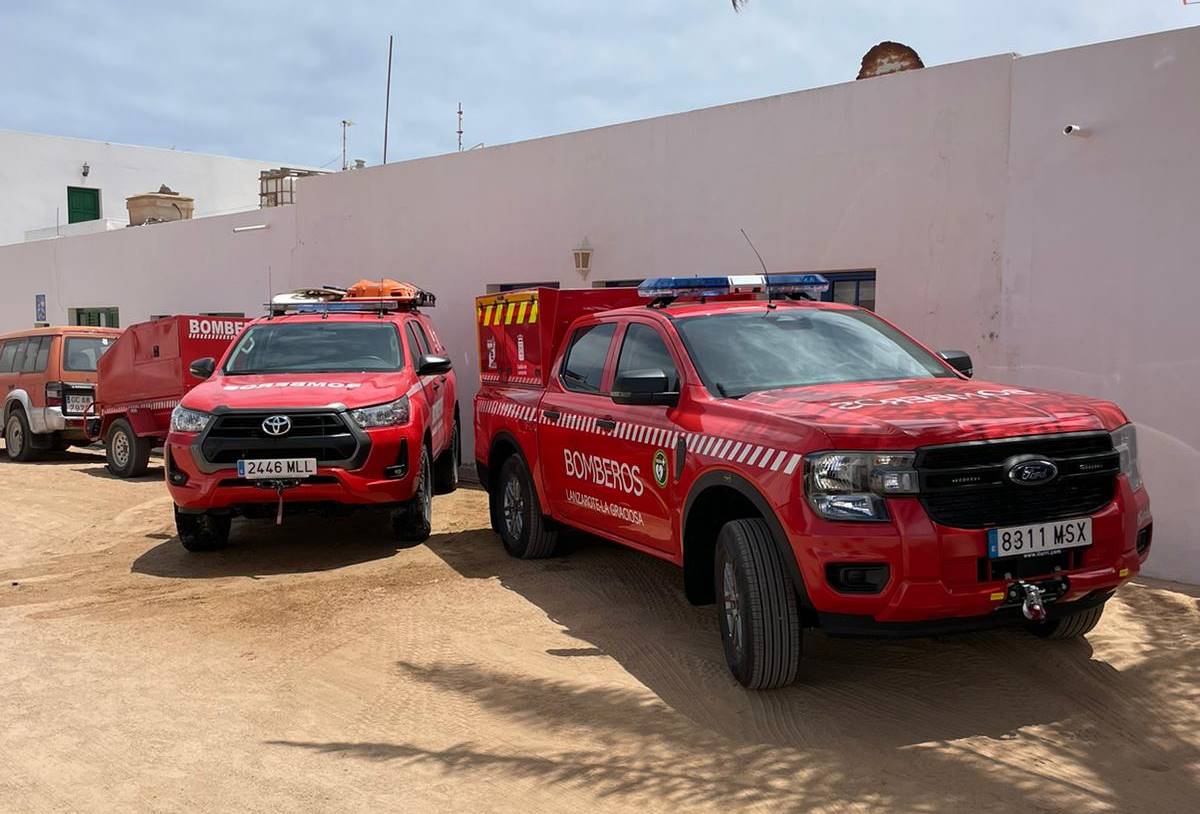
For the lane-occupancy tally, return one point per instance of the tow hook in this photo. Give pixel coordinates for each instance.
(1031, 605)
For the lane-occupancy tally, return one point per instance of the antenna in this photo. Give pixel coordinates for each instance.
(760, 262)
(460, 130)
(387, 101)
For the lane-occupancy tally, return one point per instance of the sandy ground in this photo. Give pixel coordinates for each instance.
(320, 667)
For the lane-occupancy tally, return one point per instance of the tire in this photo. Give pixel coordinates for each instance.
(125, 454)
(1074, 626)
(756, 607)
(413, 521)
(18, 440)
(524, 530)
(445, 470)
(202, 532)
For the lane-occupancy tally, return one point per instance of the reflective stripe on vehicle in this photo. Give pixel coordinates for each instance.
(730, 450)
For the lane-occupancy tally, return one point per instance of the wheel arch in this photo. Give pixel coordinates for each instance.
(15, 399)
(715, 498)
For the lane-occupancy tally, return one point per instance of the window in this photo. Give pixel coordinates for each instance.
(8, 355)
(418, 345)
(630, 283)
(95, 317)
(740, 353)
(33, 356)
(500, 288)
(82, 204)
(644, 349)
(84, 352)
(316, 347)
(583, 369)
(851, 287)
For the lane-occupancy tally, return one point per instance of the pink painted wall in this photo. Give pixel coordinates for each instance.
(910, 174)
(1101, 293)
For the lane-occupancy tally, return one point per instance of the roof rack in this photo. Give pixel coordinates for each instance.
(364, 297)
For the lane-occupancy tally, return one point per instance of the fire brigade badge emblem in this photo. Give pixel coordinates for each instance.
(660, 468)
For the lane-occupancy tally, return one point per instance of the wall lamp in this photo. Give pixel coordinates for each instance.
(583, 257)
(85, 169)
(256, 227)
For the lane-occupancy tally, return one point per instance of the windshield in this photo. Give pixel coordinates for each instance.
(743, 353)
(316, 347)
(82, 353)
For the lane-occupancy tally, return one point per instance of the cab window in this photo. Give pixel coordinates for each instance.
(583, 369)
(643, 349)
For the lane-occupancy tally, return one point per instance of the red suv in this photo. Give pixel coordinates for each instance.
(350, 403)
(806, 463)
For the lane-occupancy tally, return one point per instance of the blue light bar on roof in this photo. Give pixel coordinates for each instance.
(812, 285)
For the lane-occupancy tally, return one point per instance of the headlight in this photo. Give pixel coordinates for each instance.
(1124, 441)
(185, 420)
(391, 414)
(852, 485)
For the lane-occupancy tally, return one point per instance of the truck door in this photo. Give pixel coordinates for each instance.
(583, 481)
(434, 387)
(646, 436)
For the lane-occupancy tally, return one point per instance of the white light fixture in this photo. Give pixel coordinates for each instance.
(256, 227)
(583, 258)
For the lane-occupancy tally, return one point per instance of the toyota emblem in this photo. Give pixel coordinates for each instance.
(277, 425)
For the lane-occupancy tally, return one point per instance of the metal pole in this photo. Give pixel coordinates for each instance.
(343, 144)
(387, 104)
(460, 130)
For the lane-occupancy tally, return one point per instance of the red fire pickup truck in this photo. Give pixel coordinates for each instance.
(325, 404)
(806, 463)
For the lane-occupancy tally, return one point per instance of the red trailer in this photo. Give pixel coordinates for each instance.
(143, 376)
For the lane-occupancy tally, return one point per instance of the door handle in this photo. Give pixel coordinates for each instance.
(606, 424)
(552, 415)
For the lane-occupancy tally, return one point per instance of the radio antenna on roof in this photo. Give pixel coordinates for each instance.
(766, 274)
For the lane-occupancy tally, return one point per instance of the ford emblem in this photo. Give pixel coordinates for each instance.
(281, 425)
(1032, 472)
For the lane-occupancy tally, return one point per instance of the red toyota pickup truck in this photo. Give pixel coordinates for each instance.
(806, 463)
(346, 403)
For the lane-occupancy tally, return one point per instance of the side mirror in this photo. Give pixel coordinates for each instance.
(203, 368)
(648, 386)
(960, 360)
(430, 365)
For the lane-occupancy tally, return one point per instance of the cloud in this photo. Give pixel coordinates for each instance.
(271, 80)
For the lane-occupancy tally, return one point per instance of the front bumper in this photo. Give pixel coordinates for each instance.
(934, 571)
(388, 475)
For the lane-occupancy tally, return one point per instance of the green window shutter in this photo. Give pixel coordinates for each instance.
(82, 204)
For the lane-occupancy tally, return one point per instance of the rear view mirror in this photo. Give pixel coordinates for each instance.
(960, 360)
(203, 368)
(648, 386)
(430, 365)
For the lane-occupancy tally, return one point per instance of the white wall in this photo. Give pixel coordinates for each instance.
(35, 171)
(913, 174)
(1101, 257)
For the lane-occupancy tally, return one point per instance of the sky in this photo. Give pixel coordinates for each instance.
(272, 80)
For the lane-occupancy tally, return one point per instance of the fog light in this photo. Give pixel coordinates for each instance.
(1143, 540)
(857, 578)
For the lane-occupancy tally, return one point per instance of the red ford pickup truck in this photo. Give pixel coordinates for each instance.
(321, 405)
(806, 463)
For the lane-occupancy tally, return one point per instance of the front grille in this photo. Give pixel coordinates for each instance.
(322, 435)
(966, 485)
